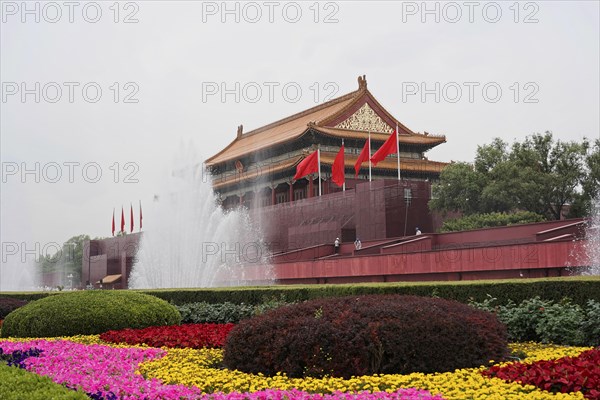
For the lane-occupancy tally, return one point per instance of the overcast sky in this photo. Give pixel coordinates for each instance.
(123, 85)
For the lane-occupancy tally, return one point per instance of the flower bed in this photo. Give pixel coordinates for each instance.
(567, 374)
(102, 371)
(139, 372)
(200, 368)
(194, 336)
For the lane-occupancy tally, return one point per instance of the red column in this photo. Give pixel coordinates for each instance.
(310, 187)
(291, 191)
(273, 195)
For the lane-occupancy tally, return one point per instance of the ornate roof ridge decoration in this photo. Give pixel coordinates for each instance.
(365, 119)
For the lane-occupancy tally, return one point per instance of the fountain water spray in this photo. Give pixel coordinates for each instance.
(593, 238)
(17, 274)
(191, 242)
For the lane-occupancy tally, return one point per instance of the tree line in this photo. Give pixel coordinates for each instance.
(550, 178)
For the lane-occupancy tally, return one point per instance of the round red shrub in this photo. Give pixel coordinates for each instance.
(365, 335)
(8, 305)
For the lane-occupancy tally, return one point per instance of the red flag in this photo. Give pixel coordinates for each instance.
(362, 157)
(389, 147)
(113, 223)
(140, 215)
(122, 220)
(309, 165)
(337, 170)
(131, 218)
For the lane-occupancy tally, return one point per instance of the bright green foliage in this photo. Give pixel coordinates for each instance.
(18, 384)
(478, 221)
(88, 312)
(223, 313)
(591, 323)
(548, 321)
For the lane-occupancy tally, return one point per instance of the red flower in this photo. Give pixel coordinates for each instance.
(194, 336)
(565, 375)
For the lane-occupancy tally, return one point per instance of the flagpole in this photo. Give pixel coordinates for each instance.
(140, 215)
(344, 167)
(398, 147)
(369, 156)
(319, 162)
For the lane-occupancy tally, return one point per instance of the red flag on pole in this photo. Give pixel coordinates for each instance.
(362, 157)
(122, 220)
(113, 223)
(140, 215)
(308, 166)
(131, 218)
(337, 170)
(389, 147)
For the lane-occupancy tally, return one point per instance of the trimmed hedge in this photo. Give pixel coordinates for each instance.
(18, 384)
(366, 335)
(489, 220)
(578, 289)
(88, 312)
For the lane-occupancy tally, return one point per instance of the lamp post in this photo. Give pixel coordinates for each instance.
(88, 284)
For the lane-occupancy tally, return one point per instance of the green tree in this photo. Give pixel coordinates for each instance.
(539, 175)
(557, 168)
(459, 189)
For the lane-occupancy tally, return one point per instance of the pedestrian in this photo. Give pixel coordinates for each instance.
(417, 231)
(336, 245)
(357, 244)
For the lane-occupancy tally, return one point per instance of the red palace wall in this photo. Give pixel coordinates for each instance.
(373, 210)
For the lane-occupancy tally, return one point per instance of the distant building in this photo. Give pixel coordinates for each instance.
(256, 169)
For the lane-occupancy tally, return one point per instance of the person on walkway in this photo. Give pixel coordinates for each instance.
(417, 231)
(336, 245)
(357, 244)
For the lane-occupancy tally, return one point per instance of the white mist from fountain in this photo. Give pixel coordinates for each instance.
(189, 241)
(20, 253)
(16, 274)
(593, 239)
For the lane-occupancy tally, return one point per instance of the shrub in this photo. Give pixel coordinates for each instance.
(547, 321)
(195, 336)
(7, 305)
(88, 312)
(578, 289)
(366, 335)
(223, 313)
(561, 324)
(18, 384)
(490, 220)
(524, 319)
(591, 323)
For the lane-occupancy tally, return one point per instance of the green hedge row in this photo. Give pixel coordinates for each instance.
(578, 289)
(18, 384)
